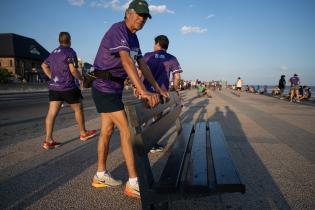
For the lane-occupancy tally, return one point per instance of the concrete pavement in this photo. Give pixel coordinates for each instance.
(272, 142)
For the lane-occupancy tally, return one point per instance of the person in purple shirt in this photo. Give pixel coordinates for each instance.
(162, 65)
(294, 91)
(117, 55)
(61, 69)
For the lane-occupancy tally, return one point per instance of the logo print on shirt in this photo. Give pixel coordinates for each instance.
(57, 51)
(157, 56)
(123, 42)
(56, 79)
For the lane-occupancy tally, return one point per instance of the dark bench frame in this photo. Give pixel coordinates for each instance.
(199, 163)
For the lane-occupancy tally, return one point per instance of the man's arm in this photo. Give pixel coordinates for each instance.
(130, 69)
(46, 70)
(74, 71)
(176, 80)
(148, 76)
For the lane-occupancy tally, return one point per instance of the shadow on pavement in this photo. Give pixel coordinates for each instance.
(261, 190)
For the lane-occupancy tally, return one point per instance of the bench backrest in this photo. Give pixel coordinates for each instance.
(144, 137)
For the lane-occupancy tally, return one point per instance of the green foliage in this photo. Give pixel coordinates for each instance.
(5, 75)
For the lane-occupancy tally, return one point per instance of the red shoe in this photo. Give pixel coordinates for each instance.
(51, 145)
(88, 135)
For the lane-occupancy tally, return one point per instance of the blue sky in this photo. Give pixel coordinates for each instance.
(257, 40)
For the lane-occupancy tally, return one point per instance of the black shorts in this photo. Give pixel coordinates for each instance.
(73, 96)
(238, 88)
(107, 102)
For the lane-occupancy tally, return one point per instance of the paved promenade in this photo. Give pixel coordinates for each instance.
(272, 142)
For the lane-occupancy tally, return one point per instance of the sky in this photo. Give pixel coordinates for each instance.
(257, 40)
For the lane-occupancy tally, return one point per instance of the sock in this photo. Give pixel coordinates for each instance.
(133, 181)
(101, 173)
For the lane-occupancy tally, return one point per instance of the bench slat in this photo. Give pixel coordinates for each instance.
(197, 174)
(227, 176)
(142, 114)
(171, 174)
(153, 133)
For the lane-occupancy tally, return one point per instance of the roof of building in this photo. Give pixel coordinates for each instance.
(13, 45)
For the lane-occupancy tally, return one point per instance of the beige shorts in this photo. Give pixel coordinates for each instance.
(295, 88)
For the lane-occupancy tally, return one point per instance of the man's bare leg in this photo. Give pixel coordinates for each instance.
(107, 127)
(79, 116)
(54, 107)
(120, 120)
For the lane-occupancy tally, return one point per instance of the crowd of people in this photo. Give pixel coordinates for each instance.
(297, 91)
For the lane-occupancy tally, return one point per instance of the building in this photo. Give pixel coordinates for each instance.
(22, 56)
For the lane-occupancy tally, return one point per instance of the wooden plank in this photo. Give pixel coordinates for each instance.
(144, 114)
(198, 166)
(152, 134)
(211, 176)
(227, 176)
(171, 174)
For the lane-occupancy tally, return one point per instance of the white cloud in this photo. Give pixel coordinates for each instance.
(113, 4)
(283, 67)
(160, 9)
(118, 6)
(192, 29)
(210, 16)
(76, 2)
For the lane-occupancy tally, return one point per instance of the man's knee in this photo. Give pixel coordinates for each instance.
(107, 131)
(76, 107)
(125, 132)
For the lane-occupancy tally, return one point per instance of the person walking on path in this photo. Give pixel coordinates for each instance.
(61, 69)
(281, 85)
(294, 91)
(117, 55)
(162, 64)
(239, 84)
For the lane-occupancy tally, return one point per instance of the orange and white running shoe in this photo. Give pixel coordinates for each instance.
(132, 190)
(105, 181)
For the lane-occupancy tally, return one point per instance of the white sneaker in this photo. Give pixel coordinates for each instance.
(132, 190)
(105, 181)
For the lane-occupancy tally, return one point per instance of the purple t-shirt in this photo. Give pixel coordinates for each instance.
(161, 64)
(294, 80)
(116, 39)
(58, 62)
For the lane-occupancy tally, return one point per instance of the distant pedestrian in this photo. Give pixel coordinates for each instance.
(294, 90)
(117, 56)
(281, 85)
(239, 84)
(61, 69)
(162, 65)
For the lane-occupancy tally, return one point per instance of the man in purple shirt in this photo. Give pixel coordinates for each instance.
(116, 58)
(162, 65)
(61, 68)
(295, 82)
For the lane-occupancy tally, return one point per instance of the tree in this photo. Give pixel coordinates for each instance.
(5, 75)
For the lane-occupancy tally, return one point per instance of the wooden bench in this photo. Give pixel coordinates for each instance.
(199, 163)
